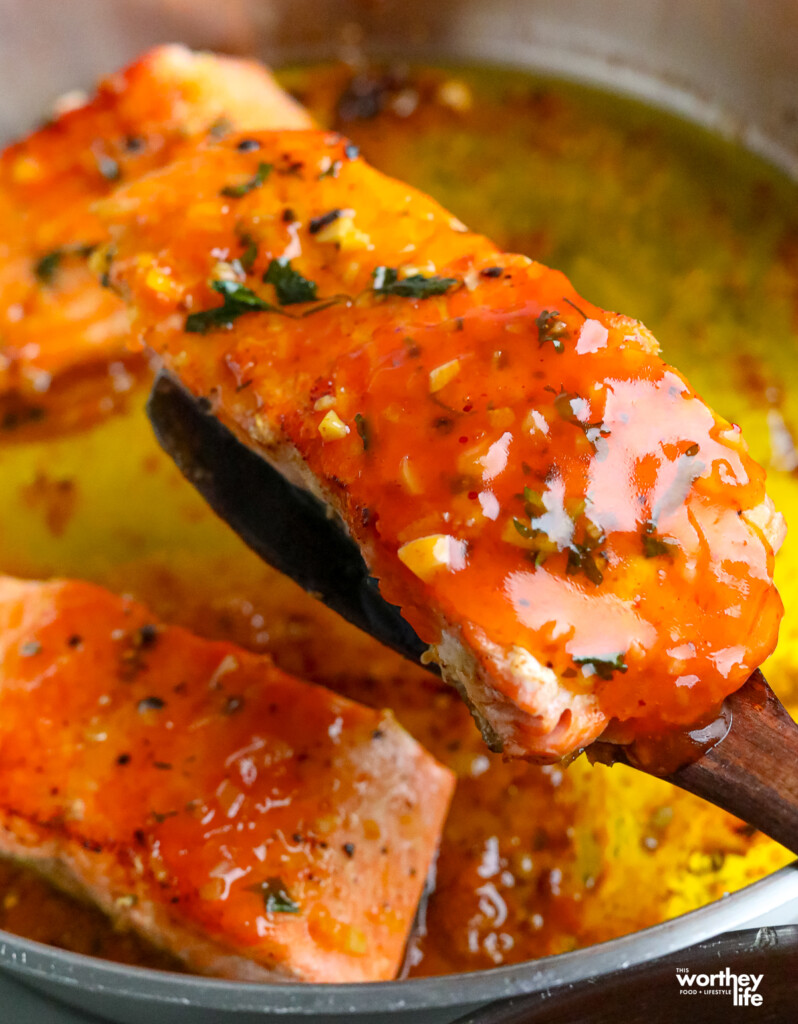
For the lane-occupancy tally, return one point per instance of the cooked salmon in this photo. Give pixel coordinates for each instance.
(585, 546)
(62, 336)
(256, 826)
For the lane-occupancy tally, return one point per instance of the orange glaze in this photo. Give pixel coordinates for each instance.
(63, 352)
(187, 783)
(463, 403)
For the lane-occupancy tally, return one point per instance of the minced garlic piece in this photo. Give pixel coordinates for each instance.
(324, 403)
(162, 284)
(345, 235)
(426, 555)
(443, 374)
(332, 427)
(410, 477)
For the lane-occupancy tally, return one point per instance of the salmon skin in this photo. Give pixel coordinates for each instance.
(257, 826)
(63, 352)
(584, 545)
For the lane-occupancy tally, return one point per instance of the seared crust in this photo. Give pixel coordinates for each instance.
(256, 826)
(578, 537)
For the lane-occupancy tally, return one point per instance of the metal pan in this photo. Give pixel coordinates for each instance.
(729, 64)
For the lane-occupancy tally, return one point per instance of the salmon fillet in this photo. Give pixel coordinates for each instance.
(257, 826)
(62, 337)
(585, 546)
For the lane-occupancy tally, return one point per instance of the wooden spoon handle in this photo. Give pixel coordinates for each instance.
(753, 771)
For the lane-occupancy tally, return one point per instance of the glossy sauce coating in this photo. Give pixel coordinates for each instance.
(63, 339)
(253, 825)
(534, 860)
(520, 467)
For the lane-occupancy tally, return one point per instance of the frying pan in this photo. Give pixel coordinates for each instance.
(728, 64)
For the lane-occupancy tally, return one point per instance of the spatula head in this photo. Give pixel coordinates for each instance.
(285, 525)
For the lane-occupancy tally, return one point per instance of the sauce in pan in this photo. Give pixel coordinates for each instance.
(646, 215)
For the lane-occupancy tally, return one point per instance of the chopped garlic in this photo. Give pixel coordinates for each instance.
(426, 555)
(324, 403)
(344, 234)
(443, 374)
(162, 284)
(410, 477)
(332, 427)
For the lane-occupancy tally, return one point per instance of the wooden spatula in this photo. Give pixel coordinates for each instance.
(746, 762)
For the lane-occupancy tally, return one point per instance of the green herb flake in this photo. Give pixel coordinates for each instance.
(533, 503)
(31, 648)
(551, 329)
(250, 253)
(276, 897)
(653, 547)
(604, 667)
(581, 559)
(386, 282)
(290, 285)
(238, 299)
(245, 187)
(522, 528)
(363, 430)
(46, 266)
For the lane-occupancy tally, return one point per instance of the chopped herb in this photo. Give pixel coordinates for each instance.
(29, 649)
(351, 151)
(526, 531)
(250, 253)
(533, 503)
(245, 187)
(386, 282)
(238, 300)
(581, 559)
(135, 143)
(159, 817)
(551, 328)
(46, 267)
(332, 171)
(150, 704)
(363, 430)
(248, 146)
(290, 285)
(653, 546)
(318, 223)
(491, 272)
(604, 667)
(349, 849)
(276, 897)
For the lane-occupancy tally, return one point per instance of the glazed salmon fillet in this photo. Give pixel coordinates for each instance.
(256, 826)
(62, 336)
(585, 546)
